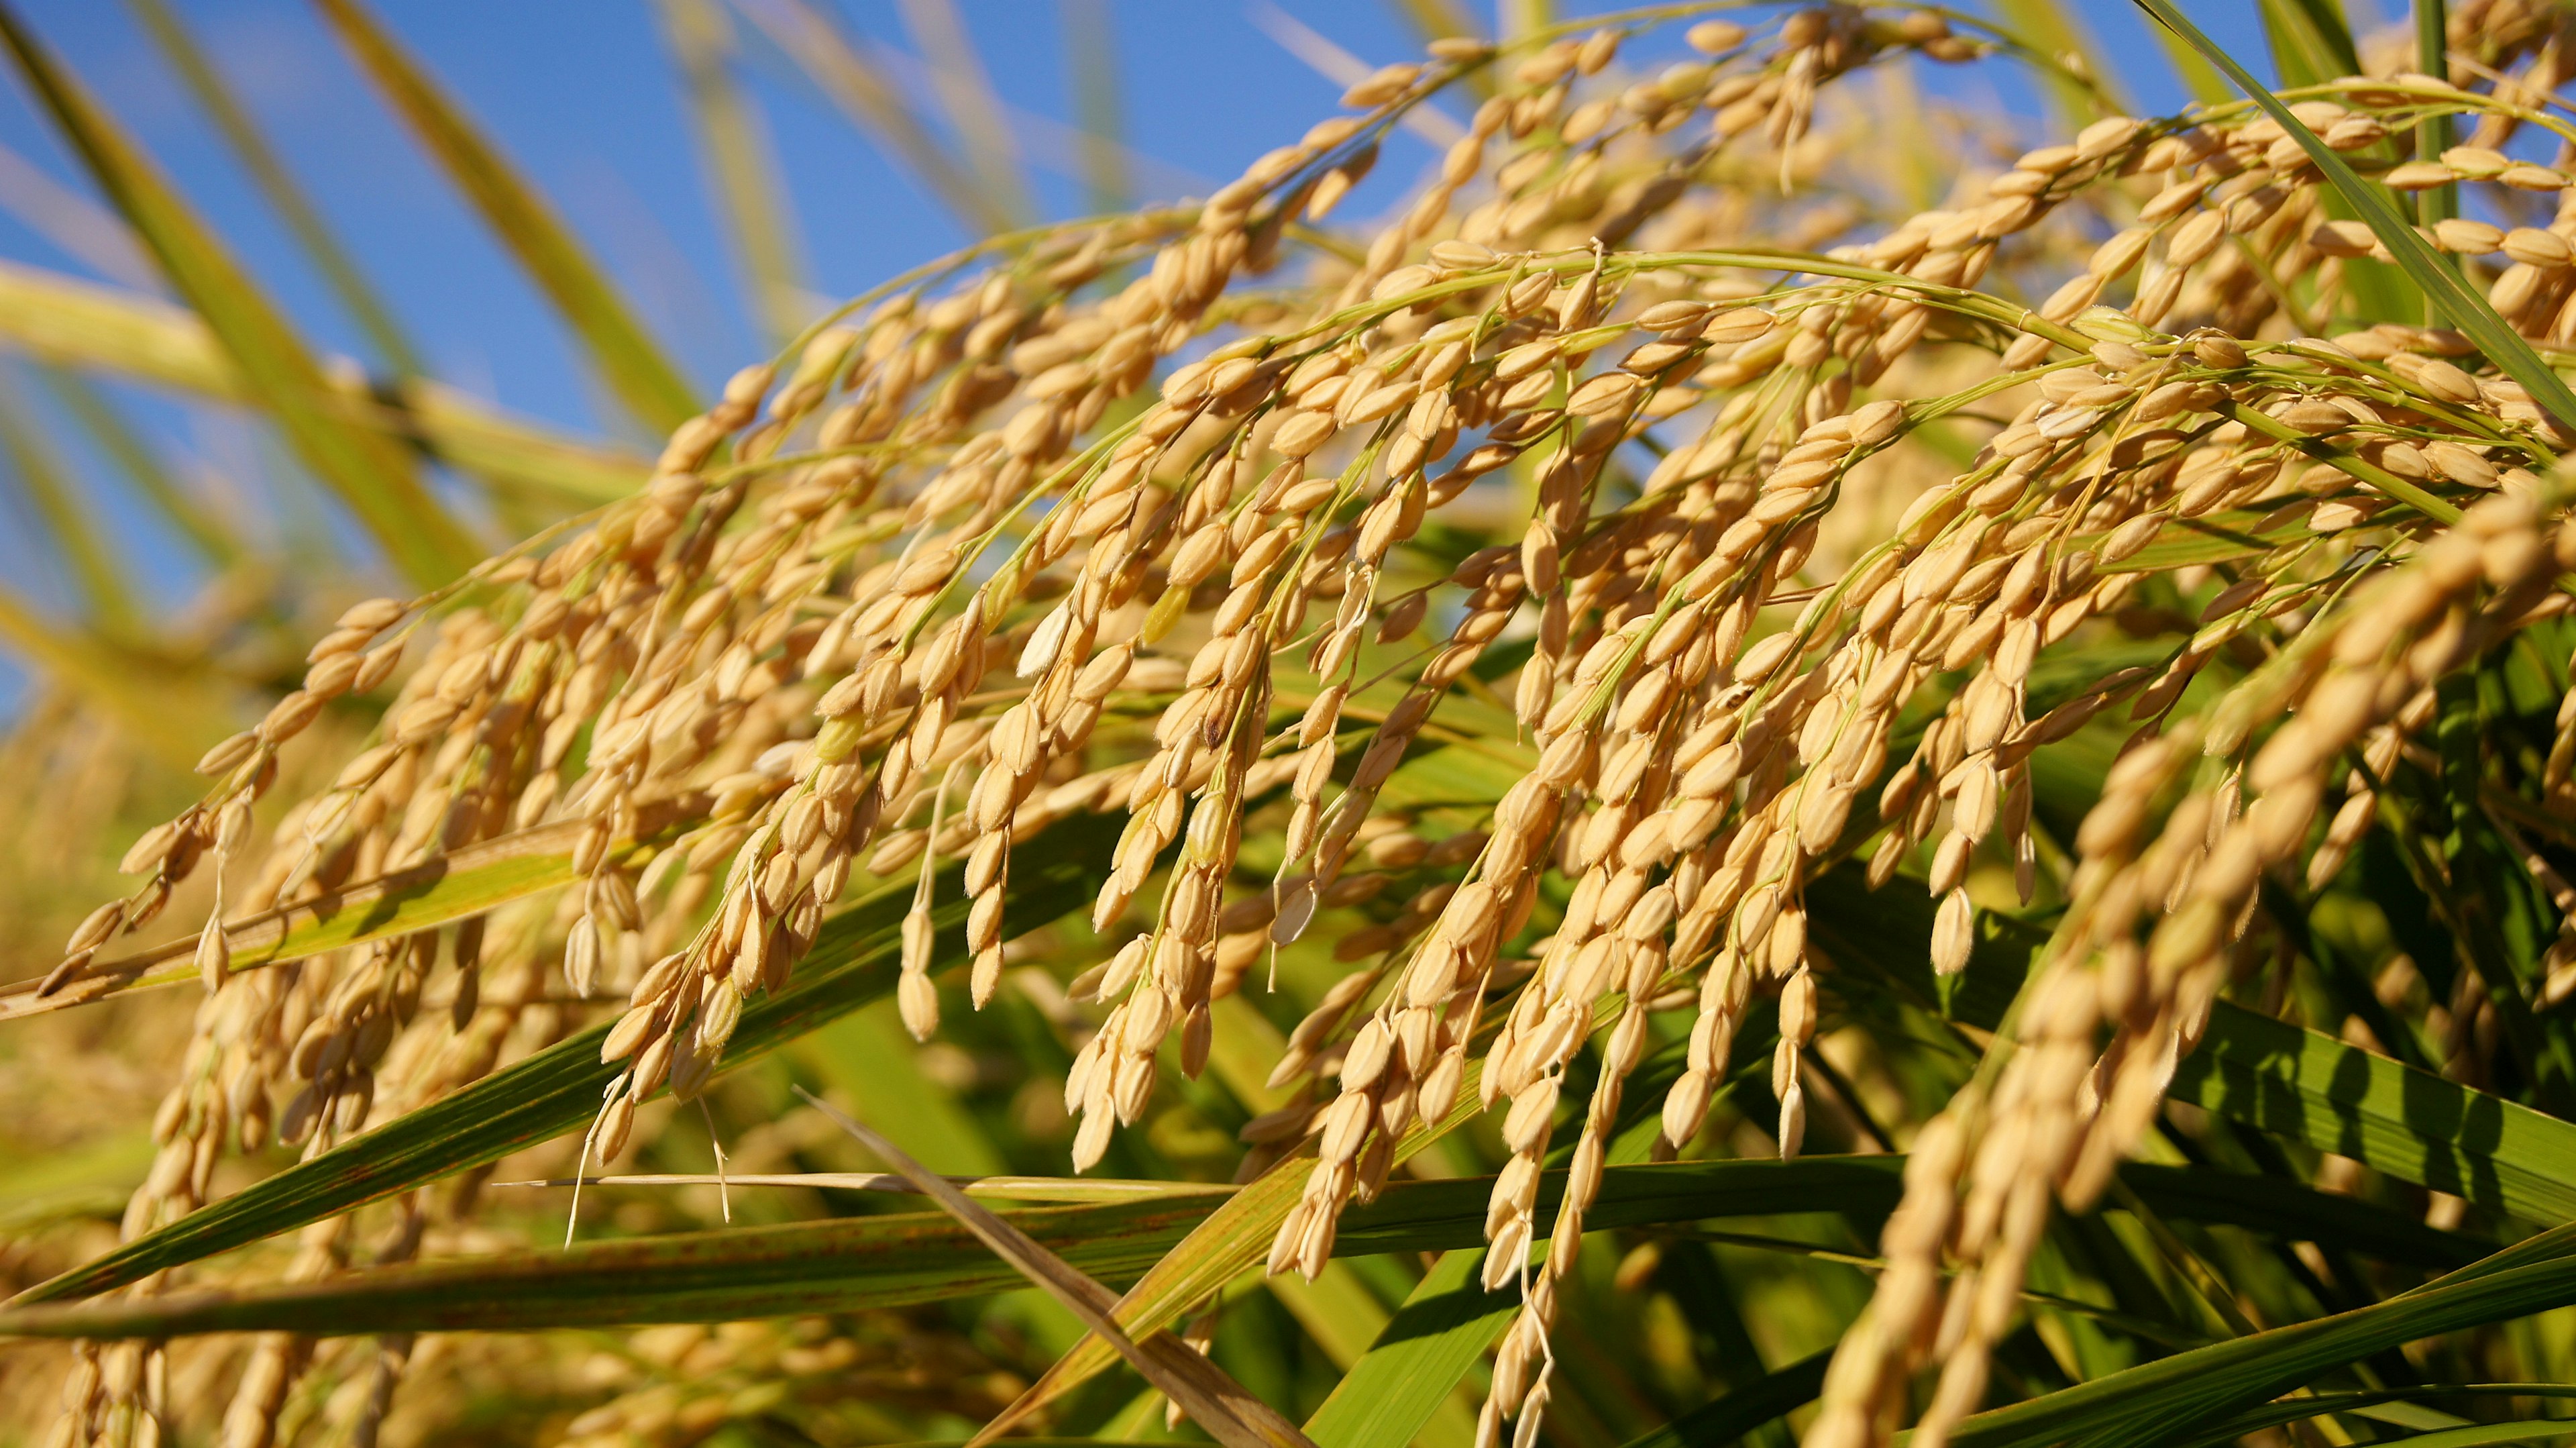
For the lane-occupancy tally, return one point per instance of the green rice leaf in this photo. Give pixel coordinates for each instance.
(363, 470)
(866, 1059)
(1409, 1374)
(2372, 1404)
(1728, 1418)
(629, 361)
(2199, 79)
(2310, 41)
(2297, 1213)
(851, 1262)
(1194, 1383)
(2298, 1084)
(1335, 1309)
(2441, 283)
(2530, 1430)
(2157, 1402)
(2433, 133)
(2311, 1088)
(471, 881)
(1234, 1239)
(847, 1263)
(558, 1089)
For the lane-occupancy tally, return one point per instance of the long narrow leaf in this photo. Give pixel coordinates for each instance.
(2057, 28)
(303, 219)
(2310, 42)
(1336, 1310)
(1232, 1240)
(1237, 1235)
(2295, 1083)
(2415, 1126)
(558, 1089)
(366, 472)
(628, 359)
(1202, 1389)
(2199, 79)
(71, 528)
(1235, 1238)
(2484, 1433)
(740, 164)
(1442, 1330)
(2462, 308)
(877, 105)
(472, 881)
(853, 1262)
(848, 1263)
(2159, 1401)
(75, 323)
(866, 1057)
(974, 110)
(1728, 1418)
(204, 528)
(2362, 1404)
(2433, 133)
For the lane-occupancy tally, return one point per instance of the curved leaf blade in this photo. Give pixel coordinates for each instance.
(1196, 1385)
(851, 1262)
(2440, 283)
(845, 1265)
(557, 1089)
(472, 881)
(74, 323)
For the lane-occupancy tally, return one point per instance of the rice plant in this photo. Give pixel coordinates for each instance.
(1728, 776)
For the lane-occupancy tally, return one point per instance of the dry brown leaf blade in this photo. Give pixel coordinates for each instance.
(1204, 1391)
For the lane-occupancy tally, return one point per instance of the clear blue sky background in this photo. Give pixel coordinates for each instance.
(584, 97)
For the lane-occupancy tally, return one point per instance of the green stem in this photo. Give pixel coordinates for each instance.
(2433, 133)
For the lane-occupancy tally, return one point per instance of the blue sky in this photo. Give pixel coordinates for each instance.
(583, 96)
